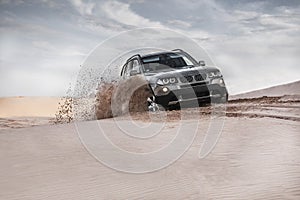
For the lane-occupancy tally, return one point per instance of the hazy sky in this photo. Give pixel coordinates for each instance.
(42, 43)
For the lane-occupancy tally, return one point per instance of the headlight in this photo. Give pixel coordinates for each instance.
(214, 74)
(219, 81)
(172, 80)
(159, 82)
(166, 81)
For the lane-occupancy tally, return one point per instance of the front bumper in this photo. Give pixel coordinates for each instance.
(191, 93)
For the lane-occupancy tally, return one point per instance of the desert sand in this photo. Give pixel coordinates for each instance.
(28, 106)
(19, 112)
(256, 156)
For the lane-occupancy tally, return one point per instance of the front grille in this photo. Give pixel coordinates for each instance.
(200, 77)
(185, 78)
(189, 78)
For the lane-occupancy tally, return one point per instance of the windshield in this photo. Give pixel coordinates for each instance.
(165, 62)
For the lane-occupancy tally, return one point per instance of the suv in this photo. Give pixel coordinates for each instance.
(176, 78)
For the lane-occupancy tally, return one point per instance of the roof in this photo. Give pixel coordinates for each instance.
(158, 53)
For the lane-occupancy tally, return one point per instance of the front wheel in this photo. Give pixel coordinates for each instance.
(153, 107)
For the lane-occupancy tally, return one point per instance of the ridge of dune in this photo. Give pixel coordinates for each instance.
(292, 88)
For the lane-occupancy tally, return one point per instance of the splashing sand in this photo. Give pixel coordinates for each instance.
(123, 97)
(64, 113)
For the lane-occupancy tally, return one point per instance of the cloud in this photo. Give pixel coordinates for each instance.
(12, 2)
(256, 60)
(276, 22)
(253, 42)
(121, 13)
(179, 23)
(43, 45)
(23, 82)
(82, 7)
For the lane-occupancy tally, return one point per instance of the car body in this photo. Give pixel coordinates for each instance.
(175, 77)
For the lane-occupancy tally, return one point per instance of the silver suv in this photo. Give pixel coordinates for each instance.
(176, 78)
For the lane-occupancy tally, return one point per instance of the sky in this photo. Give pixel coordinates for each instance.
(256, 44)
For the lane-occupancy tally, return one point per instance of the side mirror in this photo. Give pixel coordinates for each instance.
(133, 72)
(201, 63)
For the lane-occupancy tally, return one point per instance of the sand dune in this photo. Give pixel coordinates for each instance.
(28, 106)
(20, 112)
(290, 89)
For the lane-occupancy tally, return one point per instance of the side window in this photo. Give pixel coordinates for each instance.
(135, 65)
(128, 68)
